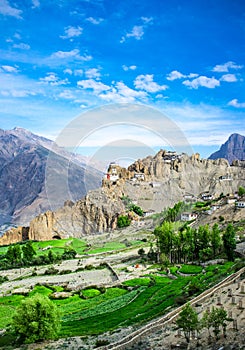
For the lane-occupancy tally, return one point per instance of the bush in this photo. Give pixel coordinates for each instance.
(51, 271)
(36, 319)
(3, 279)
(123, 221)
(90, 293)
(65, 272)
(101, 342)
(137, 210)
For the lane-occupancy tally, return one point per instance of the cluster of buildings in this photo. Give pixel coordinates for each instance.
(168, 157)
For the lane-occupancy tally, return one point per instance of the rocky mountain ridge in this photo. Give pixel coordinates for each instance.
(232, 149)
(25, 159)
(153, 183)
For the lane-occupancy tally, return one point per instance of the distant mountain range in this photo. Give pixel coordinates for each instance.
(232, 149)
(36, 175)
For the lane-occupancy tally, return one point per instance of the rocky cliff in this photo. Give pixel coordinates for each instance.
(154, 183)
(96, 213)
(24, 161)
(232, 149)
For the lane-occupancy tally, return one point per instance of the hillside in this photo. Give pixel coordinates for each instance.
(232, 149)
(153, 183)
(24, 161)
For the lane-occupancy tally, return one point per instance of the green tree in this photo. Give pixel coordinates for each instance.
(173, 213)
(241, 191)
(123, 221)
(188, 321)
(229, 242)
(141, 252)
(14, 255)
(37, 318)
(69, 253)
(217, 319)
(28, 252)
(51, 256)
(164, 234)
(215, 239)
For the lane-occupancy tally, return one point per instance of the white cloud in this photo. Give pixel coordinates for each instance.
(136, 33)
(7, 10)
(118, 92)
(22, 46)
(35, 3)
(21, 93)
(192, 75)
(52, 79)
(94, 85)
(177, 75)
(226, 66)
(230, 78)
(123, 94)
(145, 82)
(92, 73)
(71, 55)
(147, 20)
(126, 91)
(67, 71)
(126, 68)
(78, 72)
(95, 21)
(203, 81)
(235, 103)
(72, 32)
(9, 69)
(67, 95)
(17, 36)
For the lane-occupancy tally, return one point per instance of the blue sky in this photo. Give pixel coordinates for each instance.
(186, 58)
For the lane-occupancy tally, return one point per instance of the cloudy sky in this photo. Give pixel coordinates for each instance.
(61, 58)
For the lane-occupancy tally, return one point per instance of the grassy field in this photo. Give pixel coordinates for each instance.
(96, 310)
(80, 246)
(190, 269)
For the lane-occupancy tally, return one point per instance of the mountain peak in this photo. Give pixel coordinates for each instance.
(232, 149)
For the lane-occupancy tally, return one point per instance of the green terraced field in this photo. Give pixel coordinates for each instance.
(95, 310)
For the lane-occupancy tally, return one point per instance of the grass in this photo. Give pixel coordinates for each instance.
(8, 306)
(57, 246)
(138, 282)
(90, 293)
(190, 269)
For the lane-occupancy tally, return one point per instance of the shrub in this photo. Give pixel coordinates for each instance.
(123, 221)
(101, 342)
(90, 293)
(65, 272)
(36, 319)
(89, 267)
(51, 271)
(137, 210)
(3, 279)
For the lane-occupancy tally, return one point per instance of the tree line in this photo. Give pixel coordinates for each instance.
(193, 244)
(24, 255)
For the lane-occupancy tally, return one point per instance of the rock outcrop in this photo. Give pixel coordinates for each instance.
(15, 235)
(96, 213)
(232, 149)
